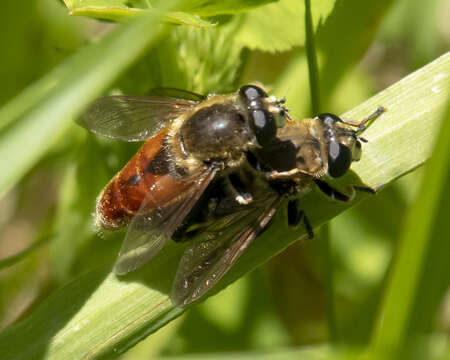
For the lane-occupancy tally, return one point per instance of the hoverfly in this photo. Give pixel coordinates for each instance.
(213, 170)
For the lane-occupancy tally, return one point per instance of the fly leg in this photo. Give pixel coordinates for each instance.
(296, 216)
(331, 192)
(337, 195)
(365, 189)
(238, 189)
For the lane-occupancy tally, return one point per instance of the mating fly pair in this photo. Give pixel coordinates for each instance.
(213, 170)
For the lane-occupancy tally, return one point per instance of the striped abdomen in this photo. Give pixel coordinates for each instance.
(144, 181)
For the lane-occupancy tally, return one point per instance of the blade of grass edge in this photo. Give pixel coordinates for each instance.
(99, 316)
(14, 259)
(391, 331)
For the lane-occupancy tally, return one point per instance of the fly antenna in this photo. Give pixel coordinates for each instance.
(362, 125)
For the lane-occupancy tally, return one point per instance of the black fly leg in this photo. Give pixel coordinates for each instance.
(337, 195)
(365, 189)
(308, 226)
(237, 187)
(330, 191)
(295, 217)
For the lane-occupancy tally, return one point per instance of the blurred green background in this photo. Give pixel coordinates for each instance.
(363, 47)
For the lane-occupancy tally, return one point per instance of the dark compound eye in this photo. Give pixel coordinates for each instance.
(339, 159)
(329, 119)
(262, 122)
(249, 93)
(264, 126)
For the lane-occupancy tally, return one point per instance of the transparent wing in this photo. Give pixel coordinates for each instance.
(149, 231)
(216, 249)
(132, 118)
(177, 93)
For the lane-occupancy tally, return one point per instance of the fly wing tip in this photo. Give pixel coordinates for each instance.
(81, 121)
(177, 298)
(182, 296)
(176, 302)
(122, 267)
(130, 260)
(181, 301)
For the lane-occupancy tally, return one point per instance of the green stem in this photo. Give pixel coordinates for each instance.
(325, 245)
(312, 60)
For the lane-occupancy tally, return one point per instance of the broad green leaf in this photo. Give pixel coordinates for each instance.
(117, 10)
(200, 60)
(212, 8)
(100, 316)
(280, 26)
(214, 55)
(189, 14)
(32, 122)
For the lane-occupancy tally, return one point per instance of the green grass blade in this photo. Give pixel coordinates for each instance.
(31, 123)
(14, 259)
(416, 241)
(100, 316)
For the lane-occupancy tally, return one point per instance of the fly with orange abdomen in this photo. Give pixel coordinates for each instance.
(188, 143)
(222, 162)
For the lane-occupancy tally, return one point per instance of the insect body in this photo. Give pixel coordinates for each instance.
(221, 163)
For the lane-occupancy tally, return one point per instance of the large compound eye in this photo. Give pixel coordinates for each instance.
(264, 126)
(329, 119)
(339, 159)
(262, 122)
(251, 93)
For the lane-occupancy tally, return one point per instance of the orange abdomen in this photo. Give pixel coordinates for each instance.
(144, 181)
